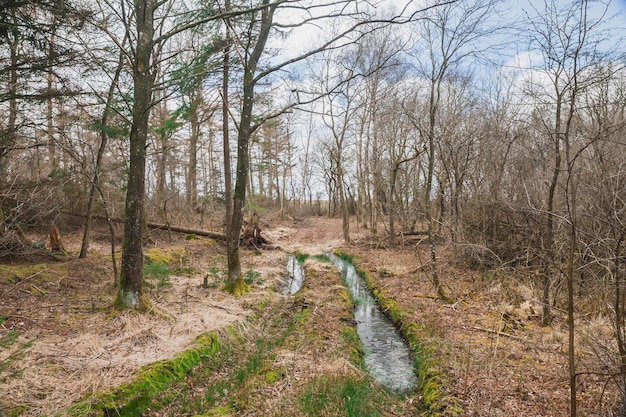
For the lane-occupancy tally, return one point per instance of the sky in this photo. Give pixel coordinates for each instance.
(515, 55)
(301, 39)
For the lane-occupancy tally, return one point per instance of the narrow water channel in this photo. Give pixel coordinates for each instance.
(386, 354)
(296, 276)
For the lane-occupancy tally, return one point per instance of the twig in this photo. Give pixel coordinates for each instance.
(482, 329)
(42, 292)
(419, 268)
(452, 306)
(84, 365)
(27, 278)
(24, 318)
(222, 308)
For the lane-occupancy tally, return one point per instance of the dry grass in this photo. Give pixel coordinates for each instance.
(501, 362)
(81, 345)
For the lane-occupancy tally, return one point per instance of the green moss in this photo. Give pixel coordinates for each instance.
(189, 271)
(36, 273)
(129, 300)
(237, 288)
(224, 410)
(345, 297)
(133, 398)
(354, 345)
(157, 256)
(173, 256)
(273, 376)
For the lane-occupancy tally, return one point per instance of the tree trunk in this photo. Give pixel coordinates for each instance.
(392, 211)
(162, 149)
(192, 172)
(95, 184)
(130, 294)
(619, 307)
(235, 278)
(7, 140)
(392, 193)
(228, 181)
(343, 205)
(430, 215)
(549, 242)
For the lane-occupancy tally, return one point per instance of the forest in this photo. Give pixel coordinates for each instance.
(479, 143)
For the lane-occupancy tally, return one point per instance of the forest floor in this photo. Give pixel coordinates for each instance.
(279, 353)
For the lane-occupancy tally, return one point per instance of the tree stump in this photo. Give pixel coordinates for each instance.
(55, 239)
(251, 236)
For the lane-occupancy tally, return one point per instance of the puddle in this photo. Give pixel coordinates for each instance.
(386, 354)
(296, 276)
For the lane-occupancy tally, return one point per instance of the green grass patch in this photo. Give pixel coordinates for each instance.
(322, 258)
(157, 275)
(216, 274)
(252, 277)
(301, 257)
(12, 351)
(341, 396)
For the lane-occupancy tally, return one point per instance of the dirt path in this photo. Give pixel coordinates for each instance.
(81, 346)
(314, 235)
(498, 360)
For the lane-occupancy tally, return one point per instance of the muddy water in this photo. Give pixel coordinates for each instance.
(386, 354)
(296, 276)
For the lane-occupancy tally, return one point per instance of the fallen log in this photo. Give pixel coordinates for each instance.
(413, 233)
(160, 226)
(186, 230)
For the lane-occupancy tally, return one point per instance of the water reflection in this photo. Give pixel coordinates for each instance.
(386, 354)
(296, 276)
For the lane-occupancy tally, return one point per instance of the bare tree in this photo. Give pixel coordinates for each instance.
(338, 111)
(104, 137)
(566, 37)
(358, 23)
(450, 35)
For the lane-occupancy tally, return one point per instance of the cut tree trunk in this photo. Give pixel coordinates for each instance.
(55, 239)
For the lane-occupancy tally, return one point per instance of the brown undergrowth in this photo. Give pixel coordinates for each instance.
(498, 358)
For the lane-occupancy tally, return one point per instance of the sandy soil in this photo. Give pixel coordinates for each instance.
(81, 345)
